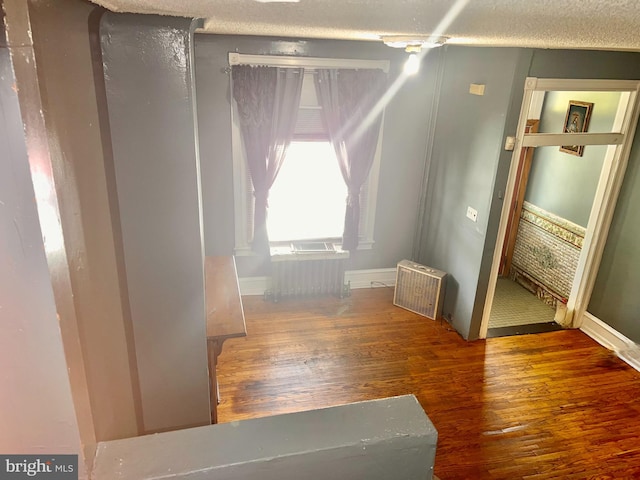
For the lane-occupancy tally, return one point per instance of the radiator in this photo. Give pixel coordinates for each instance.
(298, 274)
(419, 289)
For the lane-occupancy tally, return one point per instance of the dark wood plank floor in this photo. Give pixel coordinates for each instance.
(551, 405)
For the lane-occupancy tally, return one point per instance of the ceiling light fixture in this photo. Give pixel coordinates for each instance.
(415, 43)
(414, 46)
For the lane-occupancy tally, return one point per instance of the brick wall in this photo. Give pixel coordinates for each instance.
(546, 253)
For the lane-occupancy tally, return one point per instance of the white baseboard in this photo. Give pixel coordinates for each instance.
(377, 277)
(608, 337)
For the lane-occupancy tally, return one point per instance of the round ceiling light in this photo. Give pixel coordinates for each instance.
(413, 43)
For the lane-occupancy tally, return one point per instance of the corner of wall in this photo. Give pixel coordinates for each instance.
(518, 76)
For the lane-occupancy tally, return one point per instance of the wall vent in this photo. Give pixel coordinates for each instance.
(419, 289)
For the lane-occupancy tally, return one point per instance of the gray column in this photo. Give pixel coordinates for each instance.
(148, 73)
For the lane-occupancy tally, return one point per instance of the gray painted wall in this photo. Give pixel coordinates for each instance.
(404, 143)
(36, 407)
(559, 182)
(467, 148)
(474, 168)
(615, 298)
(148, 77)
(467, 164)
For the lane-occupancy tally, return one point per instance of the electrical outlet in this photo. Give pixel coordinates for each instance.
(472, 214)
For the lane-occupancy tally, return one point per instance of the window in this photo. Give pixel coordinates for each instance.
(309, 172)
(312, 176)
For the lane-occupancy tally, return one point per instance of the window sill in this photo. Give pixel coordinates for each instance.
(247, 252)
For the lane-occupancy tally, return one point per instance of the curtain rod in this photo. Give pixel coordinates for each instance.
(308, 62)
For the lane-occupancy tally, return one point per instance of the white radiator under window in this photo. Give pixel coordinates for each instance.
(419, 289)
(296, 273)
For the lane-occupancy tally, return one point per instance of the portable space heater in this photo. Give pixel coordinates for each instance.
(419, 289)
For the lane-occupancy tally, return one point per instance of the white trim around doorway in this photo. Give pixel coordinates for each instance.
(611, 339)
(609, 185)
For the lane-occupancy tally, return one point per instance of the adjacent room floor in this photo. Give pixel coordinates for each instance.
(551, 405)
(515, 310)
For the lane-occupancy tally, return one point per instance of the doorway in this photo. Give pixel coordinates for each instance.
(558, 203)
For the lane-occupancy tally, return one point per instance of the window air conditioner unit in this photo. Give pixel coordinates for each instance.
(419, 289)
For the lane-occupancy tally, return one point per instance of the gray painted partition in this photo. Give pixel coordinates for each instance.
(386, 439)
(465, 159)
(149, 88)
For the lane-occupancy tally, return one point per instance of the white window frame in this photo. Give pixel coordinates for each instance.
(242, 188)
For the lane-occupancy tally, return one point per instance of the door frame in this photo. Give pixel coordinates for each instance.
(608, 189)
(519, 190)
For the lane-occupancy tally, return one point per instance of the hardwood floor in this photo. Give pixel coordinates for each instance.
(551, 405)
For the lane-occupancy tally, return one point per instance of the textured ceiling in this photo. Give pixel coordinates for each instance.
(583, 24)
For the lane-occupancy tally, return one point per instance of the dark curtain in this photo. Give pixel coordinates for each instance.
(268, 100)
(349, 99)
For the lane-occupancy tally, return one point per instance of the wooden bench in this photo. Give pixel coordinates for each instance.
(225, 316)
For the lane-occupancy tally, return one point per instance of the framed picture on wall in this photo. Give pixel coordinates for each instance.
(576, 121)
